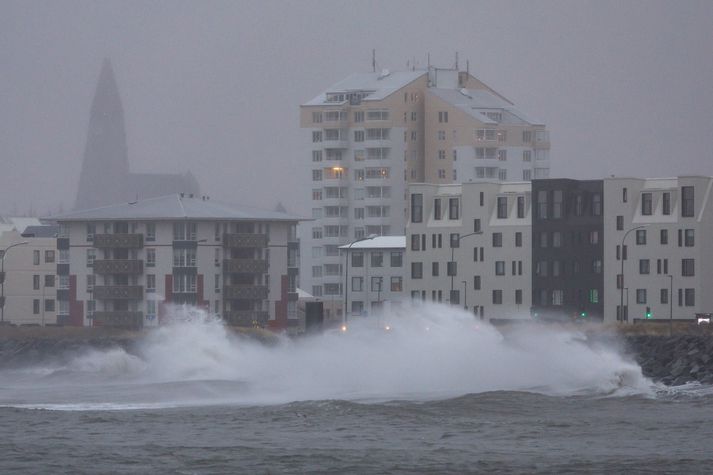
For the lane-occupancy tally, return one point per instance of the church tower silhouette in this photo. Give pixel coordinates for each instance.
(105, 178)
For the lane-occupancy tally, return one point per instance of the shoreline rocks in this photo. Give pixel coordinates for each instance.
(673, 360)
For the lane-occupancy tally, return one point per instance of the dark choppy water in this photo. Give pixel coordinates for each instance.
(437, 393)
(492, 432)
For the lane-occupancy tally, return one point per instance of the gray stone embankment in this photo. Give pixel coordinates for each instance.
(674, 360)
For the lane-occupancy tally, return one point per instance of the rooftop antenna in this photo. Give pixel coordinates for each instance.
(456, 60)
(373, 60)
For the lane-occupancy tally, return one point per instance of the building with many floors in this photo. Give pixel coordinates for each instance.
(374, 275)
(28, 279)
(371, 134)
(469, 245)
(124, 265)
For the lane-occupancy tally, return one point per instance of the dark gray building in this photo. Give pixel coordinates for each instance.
(567, 249)
(105, 178)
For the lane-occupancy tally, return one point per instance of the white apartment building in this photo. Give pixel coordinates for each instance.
(374, 273)
(29, 279)
(668, 224)
(124, 265)
(470, 245)
(371, 134)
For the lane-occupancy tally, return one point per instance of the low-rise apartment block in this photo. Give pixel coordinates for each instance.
(469, 245)
(124, 265)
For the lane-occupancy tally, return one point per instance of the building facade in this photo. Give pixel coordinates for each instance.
(372, 134)
(567, 249)
(125, 265)
(374, 275)
(666, 229)
(29, 280)
(469, 245)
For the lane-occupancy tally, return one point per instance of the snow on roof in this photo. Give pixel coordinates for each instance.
(381, 242)
(175, 207)
(475, 102)
(381, 85)
(8, 223)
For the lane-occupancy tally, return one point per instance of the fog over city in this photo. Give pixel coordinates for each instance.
(215, 87)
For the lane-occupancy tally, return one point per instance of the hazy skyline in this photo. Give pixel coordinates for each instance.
(215, 87)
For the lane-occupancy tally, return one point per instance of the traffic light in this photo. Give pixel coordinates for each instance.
(648, 312)
(583, 314)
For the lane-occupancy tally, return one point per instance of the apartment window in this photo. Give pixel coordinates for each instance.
(687, 202)
(357, 284)
(396, 259)
(502, 174)
(183, 258)
(316, 117)
(416, 270)
(452, 208)
(644, 266)
(527, 136)
(476, 226)
(91, 231)
(497, 239)
(357, 259)
(316, 175)
(518, 239)
(527, 156)
(620, 223)
(455, 240)
(396, 284)
(624, 195)
(377, 114)
(49, 305)
(689, 238)
(36, 306)
(416, 208)
(556, 239)
(441, 135)
(664, 236)
(377, 259)
(150, 232)
(332, 289)
(434, 269)
(664, 296)
(690, 297)
(443, 117)
(49, 280)
(596, 204)
(91, 256)
(316, 155)
(667, 203)
(452, 268)
(597, 266)
(437, 209)
(542, 204)
(358, 213)
(316, 136)
(316, 271)
(594, 237)
(216, 283)
(544, 239)
(502, 207)
(415, 242)
(640, 296)
(150, 282)
(36, 257)
(688, 267)
(497, 297)
(358, 135)
(520, 206)
(641, 237)
(499, 267)
(593, 296)
(476, 282)
(184, 231)
(502, 155)
(646, 204)
(441, 173)
(358, 116)
(150, 257)
(518, 296)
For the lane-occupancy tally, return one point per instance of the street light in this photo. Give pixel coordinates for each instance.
(621, 286)
(452, 262)
(2, 276)
(670, 306)
(346, 276)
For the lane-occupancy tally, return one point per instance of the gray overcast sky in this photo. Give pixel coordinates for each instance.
(625, 87)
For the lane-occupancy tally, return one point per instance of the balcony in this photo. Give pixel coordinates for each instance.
(243, 240)
(118, 292)
(245, 266)
(119, 319)
(118, 266)
(119, 241)
(246, 318)
(246, 292)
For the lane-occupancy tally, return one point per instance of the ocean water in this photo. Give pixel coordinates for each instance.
(436, 392)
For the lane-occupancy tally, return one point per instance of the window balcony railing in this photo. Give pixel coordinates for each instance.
(245, 292)
(243, 240)
(118, 241)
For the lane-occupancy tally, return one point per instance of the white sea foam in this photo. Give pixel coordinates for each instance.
(429, 352)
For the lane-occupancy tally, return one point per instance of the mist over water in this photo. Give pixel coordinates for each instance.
(429, 352)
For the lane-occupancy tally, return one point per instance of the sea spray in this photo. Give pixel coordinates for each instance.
(415, 353)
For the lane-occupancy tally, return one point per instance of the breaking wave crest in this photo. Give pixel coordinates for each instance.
(429, 352)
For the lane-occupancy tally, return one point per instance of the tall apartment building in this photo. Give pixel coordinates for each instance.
(371, 134)
(29, 279)
(666, 227)
(469, 245)
(122, 265)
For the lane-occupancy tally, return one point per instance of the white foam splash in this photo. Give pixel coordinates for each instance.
(429, 352)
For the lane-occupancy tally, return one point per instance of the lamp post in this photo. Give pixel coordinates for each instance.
(621, 287)
(346, 276)
(465, 295)
(2, 275)
(452, 262)
(670, 305)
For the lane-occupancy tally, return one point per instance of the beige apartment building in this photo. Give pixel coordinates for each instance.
(371, 134)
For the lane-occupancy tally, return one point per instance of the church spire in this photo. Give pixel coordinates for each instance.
(105, 168)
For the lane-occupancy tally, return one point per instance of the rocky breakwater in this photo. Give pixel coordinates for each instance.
(674, 360)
